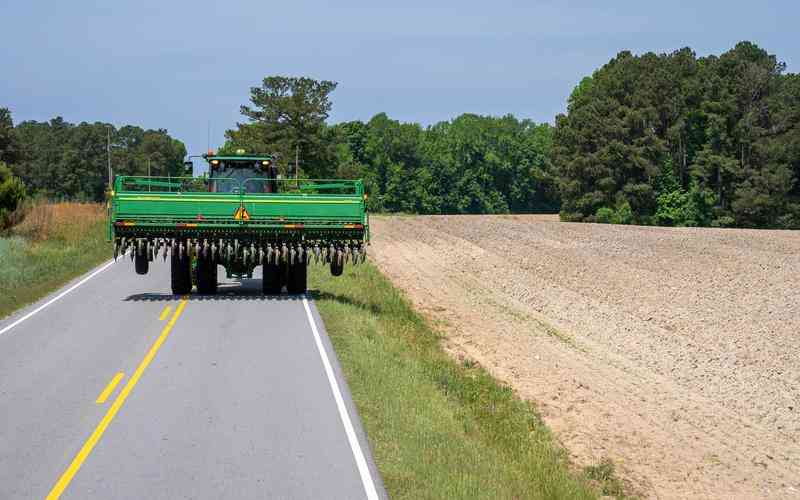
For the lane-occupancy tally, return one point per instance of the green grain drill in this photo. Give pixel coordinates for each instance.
(241, 216)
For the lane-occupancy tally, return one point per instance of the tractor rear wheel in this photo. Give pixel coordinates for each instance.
(271, 279)
(337, 267)
(142, 263)
(181, 274)
(298, 278)
(206, 276)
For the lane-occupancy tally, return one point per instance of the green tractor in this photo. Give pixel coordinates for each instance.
(240, 216)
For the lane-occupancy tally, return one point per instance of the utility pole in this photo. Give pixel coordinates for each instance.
(296, 161)
(148, 172)
(108, 150)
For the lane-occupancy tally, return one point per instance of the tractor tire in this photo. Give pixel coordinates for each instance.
(298, 278)
(142, 263)
(271, 282)
(337, 268)
(181, 274)
(206, 276)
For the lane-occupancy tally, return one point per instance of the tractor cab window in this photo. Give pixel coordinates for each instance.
(232, 176)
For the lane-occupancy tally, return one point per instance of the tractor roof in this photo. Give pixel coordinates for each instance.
(238, 157)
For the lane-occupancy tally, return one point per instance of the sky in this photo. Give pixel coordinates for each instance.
(182, 65)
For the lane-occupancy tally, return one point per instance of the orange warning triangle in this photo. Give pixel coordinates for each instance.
(241, 214)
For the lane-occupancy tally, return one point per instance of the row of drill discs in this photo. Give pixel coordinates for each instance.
(249, 254)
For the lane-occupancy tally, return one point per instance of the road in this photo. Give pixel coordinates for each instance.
(117, 389)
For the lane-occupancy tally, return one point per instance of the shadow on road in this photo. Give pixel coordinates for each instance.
(343, 299)
(245, 290)
(250, 290)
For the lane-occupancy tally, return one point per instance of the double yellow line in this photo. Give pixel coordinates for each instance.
(89, 445)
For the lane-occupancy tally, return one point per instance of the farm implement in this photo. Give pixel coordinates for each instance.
(241, 216)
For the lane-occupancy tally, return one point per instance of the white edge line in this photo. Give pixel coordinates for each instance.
(57, 297)
(355, 446)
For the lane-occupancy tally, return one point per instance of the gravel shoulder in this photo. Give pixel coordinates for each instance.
(673, 352)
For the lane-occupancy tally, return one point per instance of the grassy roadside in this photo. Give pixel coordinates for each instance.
(52, 245)
(439, 429)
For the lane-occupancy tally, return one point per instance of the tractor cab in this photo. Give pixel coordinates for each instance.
(242, 173)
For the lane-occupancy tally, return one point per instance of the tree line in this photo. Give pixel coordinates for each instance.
(669, 139)
(61, 160)
(673, 139)
(471, 164)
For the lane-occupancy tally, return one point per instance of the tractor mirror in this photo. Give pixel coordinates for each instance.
(188, 168)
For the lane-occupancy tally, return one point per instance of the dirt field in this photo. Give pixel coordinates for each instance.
(673, 352)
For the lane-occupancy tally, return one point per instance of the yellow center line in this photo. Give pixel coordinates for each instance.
(109, 388)
(89, 445)
(165, 313)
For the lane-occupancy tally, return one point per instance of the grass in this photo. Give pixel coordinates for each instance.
(53, 243)
(438, 428)
(602, 475)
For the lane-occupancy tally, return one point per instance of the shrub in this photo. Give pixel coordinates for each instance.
(12, 192)
(604, 215)
(685, 208)
(566, 216)
(623, 213)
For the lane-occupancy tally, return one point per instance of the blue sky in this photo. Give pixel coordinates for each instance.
(179, 64)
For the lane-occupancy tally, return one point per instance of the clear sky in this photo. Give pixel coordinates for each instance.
(178, 64)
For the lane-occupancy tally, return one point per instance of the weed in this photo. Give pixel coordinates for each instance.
(602, 475)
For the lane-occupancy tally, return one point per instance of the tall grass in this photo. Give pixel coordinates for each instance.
(438, 428)
(50, 244)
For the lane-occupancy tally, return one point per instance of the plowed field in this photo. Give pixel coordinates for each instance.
(675, 353)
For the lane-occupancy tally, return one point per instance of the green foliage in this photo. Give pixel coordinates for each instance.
(60, 160)
(604, 215)
(12, 192)
(685, 208)
(603, 474)
(580, 92)
(287, 117)
(472, 164)
(725, 129)
(9, 146)
(621, 214)
(677, 206)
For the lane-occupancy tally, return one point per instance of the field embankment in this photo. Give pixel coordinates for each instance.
(671, 352)
(54, 243)
(439, 428)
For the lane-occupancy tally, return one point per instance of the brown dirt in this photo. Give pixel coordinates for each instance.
(673, 352)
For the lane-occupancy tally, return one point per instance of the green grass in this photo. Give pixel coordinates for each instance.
(31, 268)
(603, 475)
(438, 428)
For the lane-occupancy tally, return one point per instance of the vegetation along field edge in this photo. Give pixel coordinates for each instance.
(439, 428)
(54, 244)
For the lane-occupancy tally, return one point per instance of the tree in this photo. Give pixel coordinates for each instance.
(287, 116)
(726, 125)
(9, 147)
(63, 160)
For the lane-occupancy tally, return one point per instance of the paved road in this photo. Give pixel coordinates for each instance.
(232, 396)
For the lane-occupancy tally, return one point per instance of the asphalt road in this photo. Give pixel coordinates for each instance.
(232, 396)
